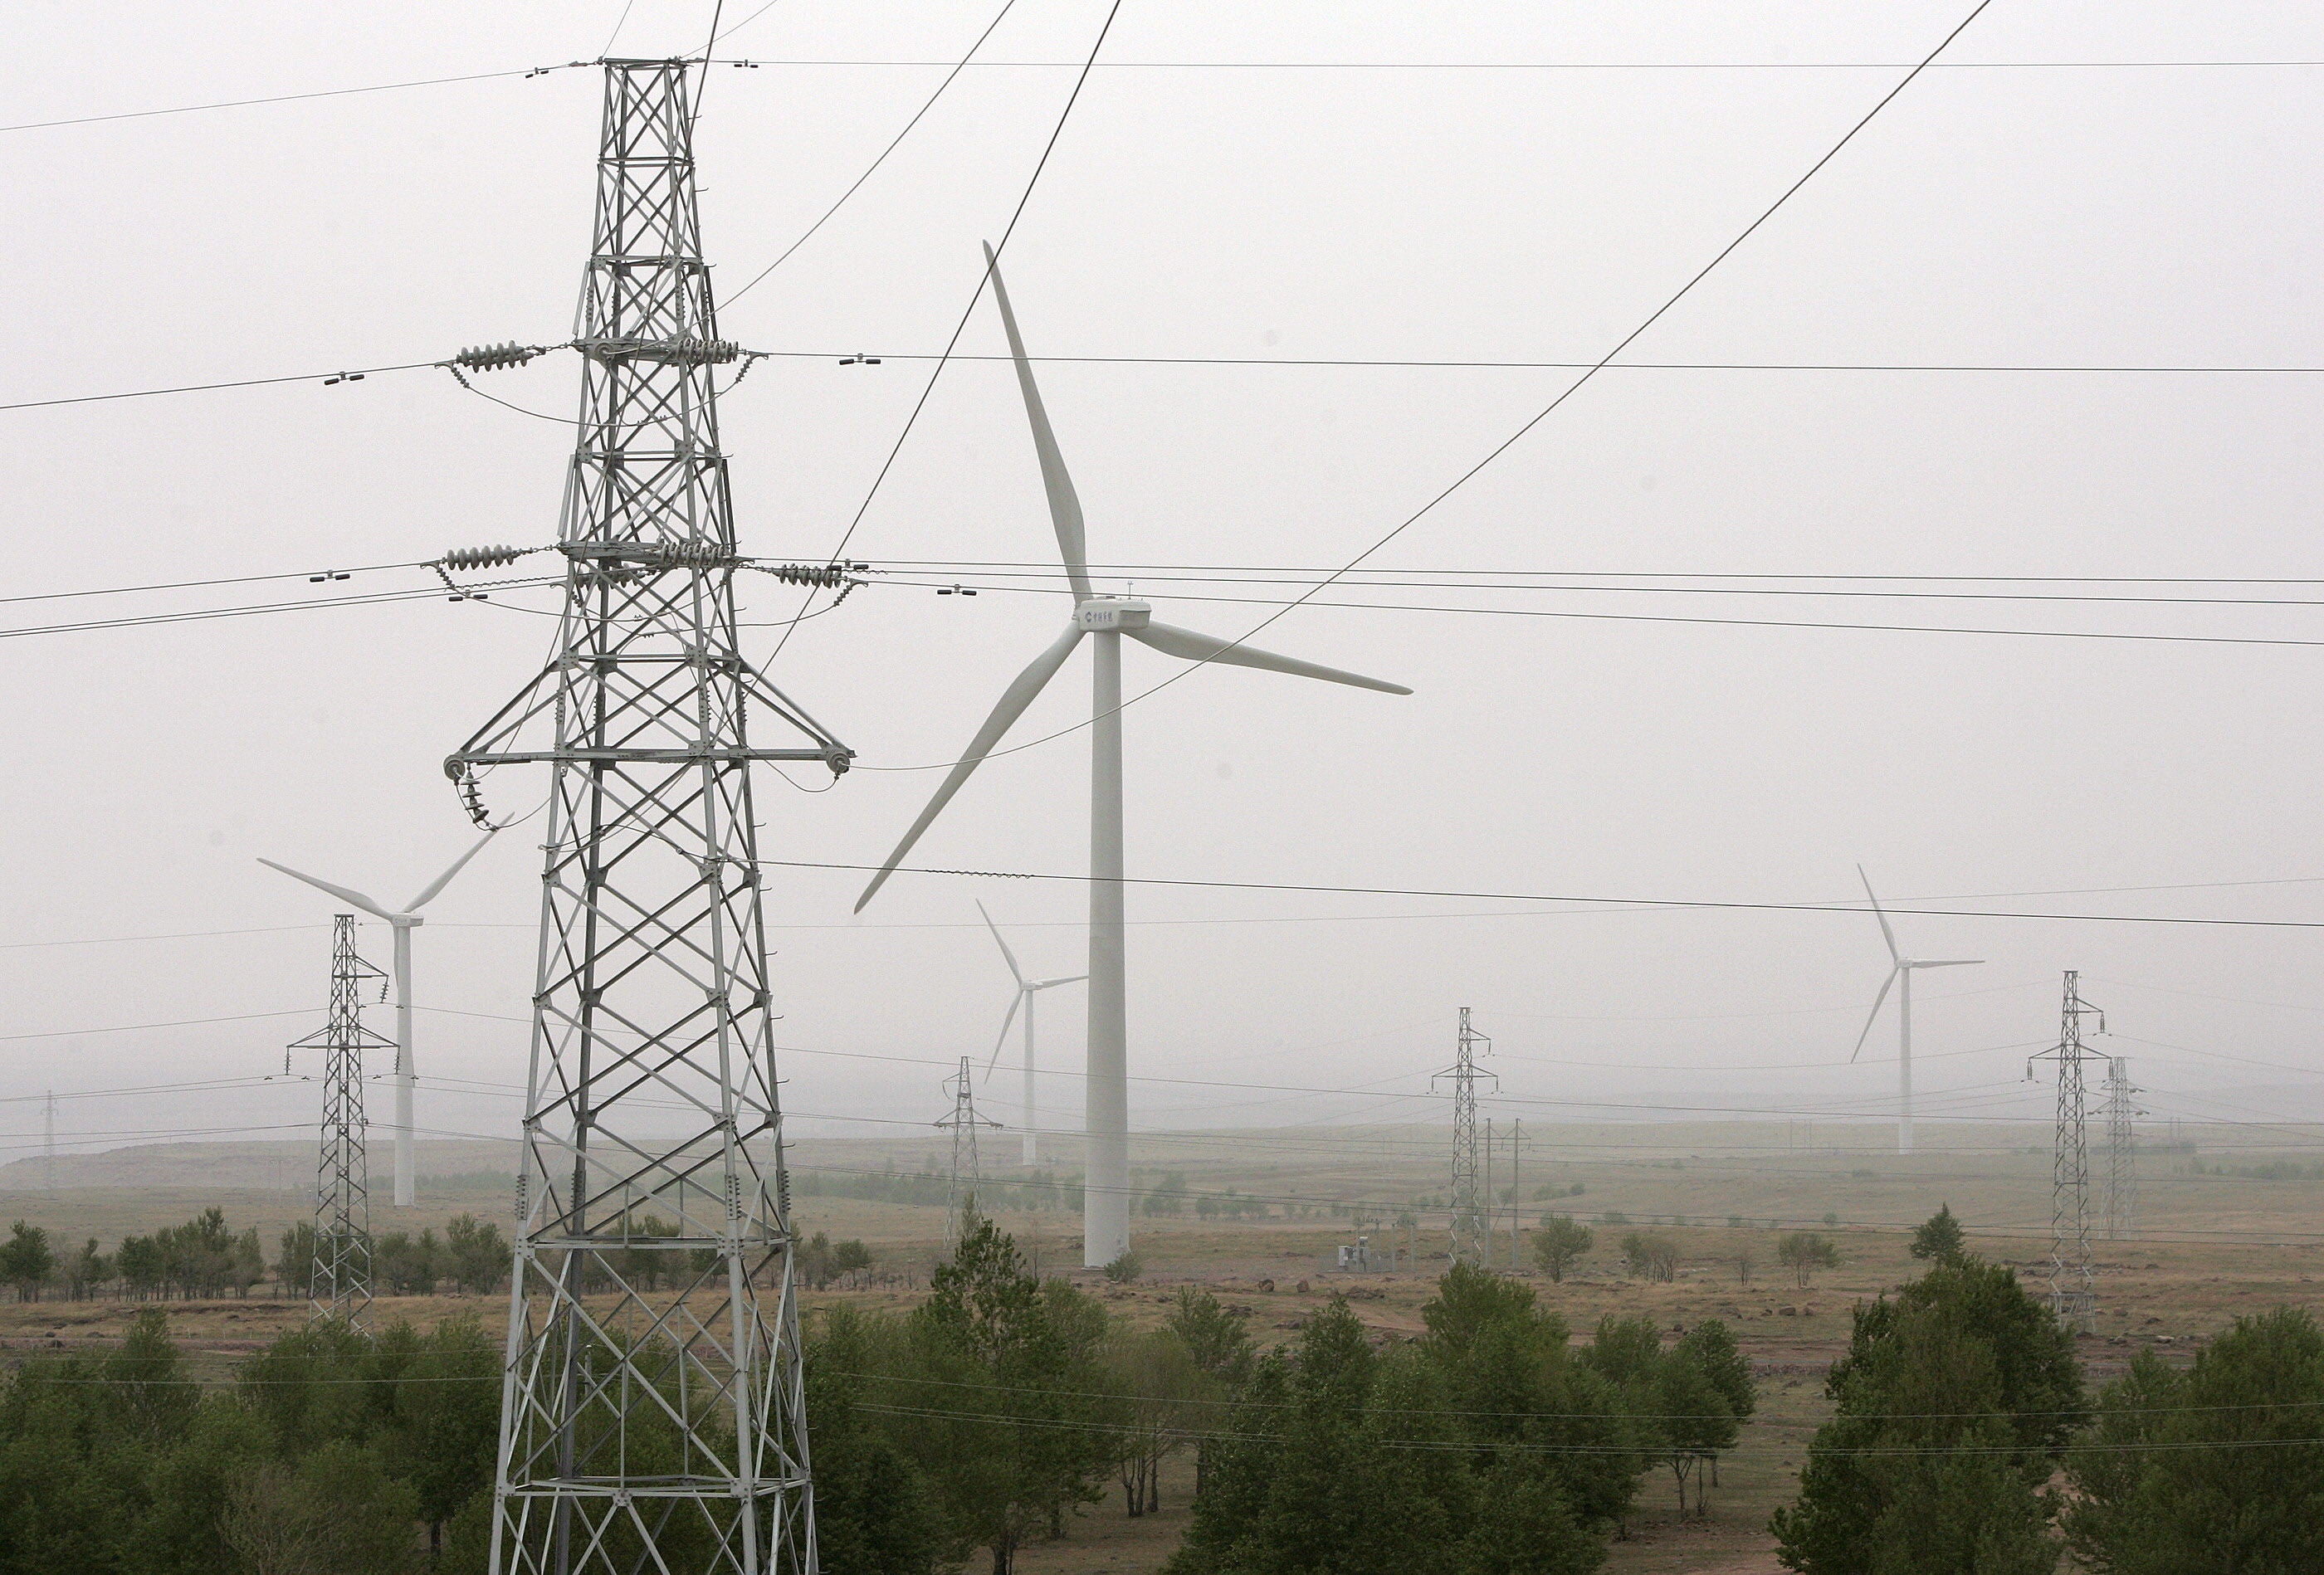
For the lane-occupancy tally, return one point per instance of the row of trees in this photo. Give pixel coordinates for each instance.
(985, 1416)
(202, 1257)
(1562, 1241)
(205, 1258)
(1964, 1440)
(334, 1452)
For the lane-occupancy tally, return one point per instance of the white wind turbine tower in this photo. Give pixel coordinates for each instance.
(1106, 620)
(402, 923)
(1901, 968)
(1027, 989)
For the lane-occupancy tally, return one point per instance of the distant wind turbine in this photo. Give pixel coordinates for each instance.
(402, 923)
(1105, 1193)
(1027, 989)
(1901, 967)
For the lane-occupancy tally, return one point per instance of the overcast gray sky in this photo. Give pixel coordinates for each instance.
(2082, 213)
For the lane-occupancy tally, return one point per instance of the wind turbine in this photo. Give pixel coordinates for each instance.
(1901, 967)
(1027, 989)
(1105, 620)
(402, 923)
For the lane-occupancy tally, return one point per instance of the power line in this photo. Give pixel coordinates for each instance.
(365, 599)
(1310, 600)
(285, 97)
(1447, 580)
(141, 1027)
(342, 374)
(357, 373)
(928, 389)
(1449, 364)
(1567, 65)
(1643, 903)
(309, 574)
(1540, 416)
(871, 169)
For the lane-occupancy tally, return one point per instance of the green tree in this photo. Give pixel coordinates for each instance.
(1021, 1430)
(1939, 1236)
(477, 1256)
(1952, 1406)
(443, 1421)
(1168, 1197)
(2177, 1485)
(335, 1512)
(1650, 1256)
(1218, 1339)
(1559, 1243)
(875, 1508)
(86, 1270)
(1805, 1251)
(27, 1262)
(1165, 1395)
(1709, 1347)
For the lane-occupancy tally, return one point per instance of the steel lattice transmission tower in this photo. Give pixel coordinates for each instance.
(1470, 1241)
(2121, 1109)
(2073, 1283)
(967, 1173)
(651, 1422)
(338, 1282)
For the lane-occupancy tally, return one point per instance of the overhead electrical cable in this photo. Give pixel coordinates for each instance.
(368, 599)
(1568, 65)
(1507, 443)
(289, 97)
(1642, 903)
(872, 168)
(983, 277)
(359, 373)
(1310, 599)
(1446, 365)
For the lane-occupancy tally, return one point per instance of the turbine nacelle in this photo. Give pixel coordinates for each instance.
(1112, 615)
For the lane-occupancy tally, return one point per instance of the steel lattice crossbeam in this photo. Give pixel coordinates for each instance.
(339, 1280)
(653, 1418)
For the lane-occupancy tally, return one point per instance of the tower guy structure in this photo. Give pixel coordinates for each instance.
(2121, 1109)
(2073, 1283)
(967, 1175)
(339, 1282)
(1471, 1241)
(656, 1425)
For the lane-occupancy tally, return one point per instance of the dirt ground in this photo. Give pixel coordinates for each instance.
(2206, 1248)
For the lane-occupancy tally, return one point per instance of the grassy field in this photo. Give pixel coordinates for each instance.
(2206, 1248)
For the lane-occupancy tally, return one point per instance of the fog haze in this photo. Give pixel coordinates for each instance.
(2067, 215)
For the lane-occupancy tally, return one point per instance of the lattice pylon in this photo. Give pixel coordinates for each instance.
(339, 1280)
(652, 1415)
(2122, 1111)
(2073, 1279)
(967, 1172)
(1470, 1226)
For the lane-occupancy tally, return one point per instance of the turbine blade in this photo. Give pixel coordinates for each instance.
(1172, 640)
(1007, 955)
(341, 892)
(1014, 1002)
(1878, 1003)
(1949, 962)
(1888, 933)
(1013, 701)
(430, 893)
(1052, 983)
(1064, 504)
